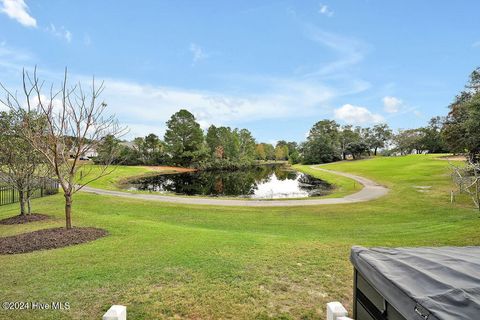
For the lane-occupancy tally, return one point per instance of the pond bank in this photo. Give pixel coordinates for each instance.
(274, 181)
(371, 191)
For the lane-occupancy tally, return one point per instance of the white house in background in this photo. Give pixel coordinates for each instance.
(91, 153)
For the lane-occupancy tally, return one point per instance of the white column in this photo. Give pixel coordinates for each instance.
(116, 312)
(335, 310)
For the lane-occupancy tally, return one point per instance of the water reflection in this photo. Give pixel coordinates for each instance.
(261, 182)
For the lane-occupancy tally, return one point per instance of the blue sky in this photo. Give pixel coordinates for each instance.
(274, 67)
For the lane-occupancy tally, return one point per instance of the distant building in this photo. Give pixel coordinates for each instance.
(89, 154)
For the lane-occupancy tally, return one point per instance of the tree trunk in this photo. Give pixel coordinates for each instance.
(375, 153)
(68, 211)
(21, 198)
(29, 205)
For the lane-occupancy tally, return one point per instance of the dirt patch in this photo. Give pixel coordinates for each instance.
(154, 171)
(453, 158)
(168, 168)
(24, 219)
(48, 239)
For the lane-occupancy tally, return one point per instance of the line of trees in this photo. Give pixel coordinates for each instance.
(328, 141)
(421, 140)
(461, 127)
(458, 132)
(185, 144)
(282, 151)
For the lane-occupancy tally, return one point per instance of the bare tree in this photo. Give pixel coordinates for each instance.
(74, 122)
(467, 179)
(20, 165)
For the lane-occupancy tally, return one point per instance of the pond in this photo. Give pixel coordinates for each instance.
(259, 182)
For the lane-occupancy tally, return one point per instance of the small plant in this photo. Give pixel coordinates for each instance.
(467, 179)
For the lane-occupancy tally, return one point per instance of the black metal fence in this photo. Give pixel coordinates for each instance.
(10, 195)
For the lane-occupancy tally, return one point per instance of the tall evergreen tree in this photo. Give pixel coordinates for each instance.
(184, 138)
(461, 131)
(323, 143)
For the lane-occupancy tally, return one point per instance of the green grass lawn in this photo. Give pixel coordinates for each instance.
(343, 186)
(182, 261)
(118, 174)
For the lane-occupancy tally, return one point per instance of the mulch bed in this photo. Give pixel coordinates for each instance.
(24, 219)
(48, 239)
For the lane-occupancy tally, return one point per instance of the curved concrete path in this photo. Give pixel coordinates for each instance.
(371, 190)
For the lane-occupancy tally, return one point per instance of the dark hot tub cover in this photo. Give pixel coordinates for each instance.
(424, 283)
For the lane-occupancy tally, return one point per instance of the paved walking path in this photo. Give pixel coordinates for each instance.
(370, 191)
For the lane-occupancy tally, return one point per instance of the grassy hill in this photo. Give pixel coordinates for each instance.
(183, 261)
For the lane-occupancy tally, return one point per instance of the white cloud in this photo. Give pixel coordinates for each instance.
(356, 115)
(205, 124)
(68, 36)
(391, 104)
(146, 107)
(153, 105)
(325, 10)
(350, 51)
(12, 60)
(141, 130)
(18, 10)
(61, 32)
(35, 102)
(198, 53)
